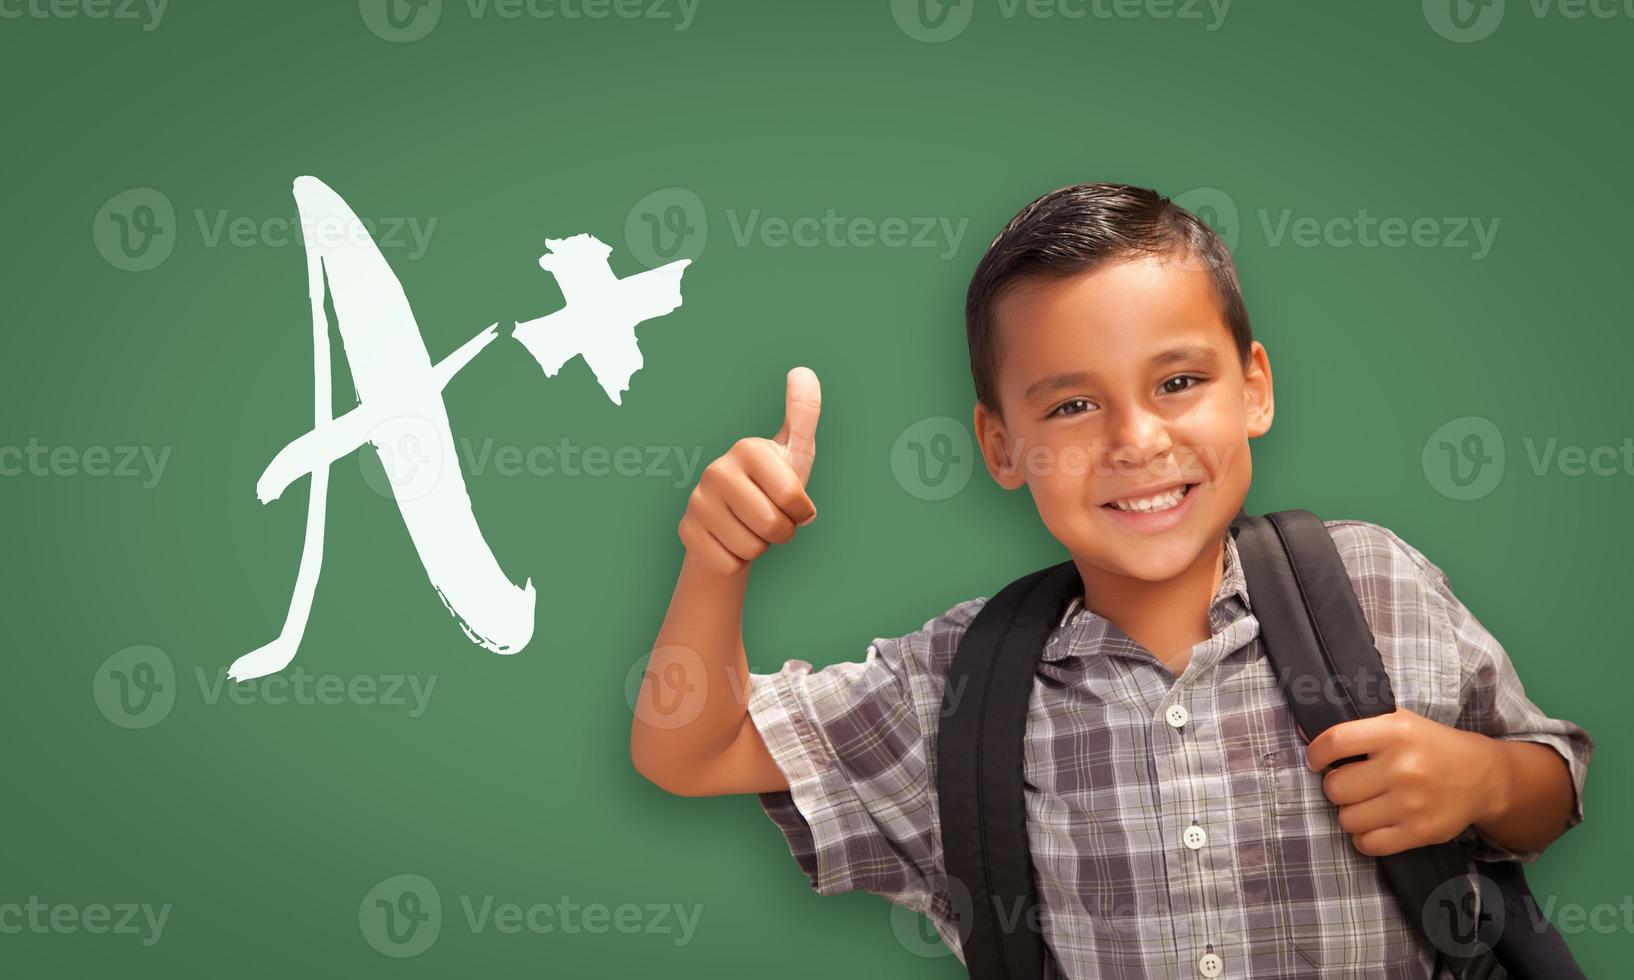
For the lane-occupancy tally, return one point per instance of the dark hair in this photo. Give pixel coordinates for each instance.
(1075, 229)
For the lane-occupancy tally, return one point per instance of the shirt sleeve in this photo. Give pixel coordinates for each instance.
(854, 740)
(1493, 701)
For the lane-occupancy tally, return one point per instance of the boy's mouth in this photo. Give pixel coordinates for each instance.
(1156, 513)
(1152, 503)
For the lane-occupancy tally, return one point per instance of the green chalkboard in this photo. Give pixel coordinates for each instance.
(1427, 203)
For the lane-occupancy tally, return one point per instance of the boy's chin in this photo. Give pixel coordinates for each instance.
(1153, 558)
(1157, 563)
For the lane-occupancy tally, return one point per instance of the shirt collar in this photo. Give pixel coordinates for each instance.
(1233, 585)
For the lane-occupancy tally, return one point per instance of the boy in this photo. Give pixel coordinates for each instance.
(1178, 824)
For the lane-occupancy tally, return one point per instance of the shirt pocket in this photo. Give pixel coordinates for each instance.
(1297, 811)
(1335, 903)
(1265, 765)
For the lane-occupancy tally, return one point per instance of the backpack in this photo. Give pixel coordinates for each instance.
(1316, 637)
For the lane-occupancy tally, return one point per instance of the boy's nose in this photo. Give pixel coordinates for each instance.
(1137, 436)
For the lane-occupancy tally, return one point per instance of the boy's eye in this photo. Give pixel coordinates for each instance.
(1060, 409)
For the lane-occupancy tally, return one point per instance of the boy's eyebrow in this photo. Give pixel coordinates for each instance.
(1205, 356)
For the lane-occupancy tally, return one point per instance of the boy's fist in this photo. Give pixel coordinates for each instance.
(755, 494)
(1420, 783)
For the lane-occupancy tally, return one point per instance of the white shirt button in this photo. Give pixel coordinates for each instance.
(1210, 965)
(1177, 715)
(1194, 837)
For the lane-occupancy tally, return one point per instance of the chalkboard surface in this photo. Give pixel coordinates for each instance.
(1428, 208)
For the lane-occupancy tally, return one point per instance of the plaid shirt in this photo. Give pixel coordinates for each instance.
(1169, 817)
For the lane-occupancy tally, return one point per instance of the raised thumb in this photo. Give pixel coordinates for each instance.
(802, 402)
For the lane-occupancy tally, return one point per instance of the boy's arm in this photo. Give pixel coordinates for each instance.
(692, 734)
(1490, 769)
(1532, 796)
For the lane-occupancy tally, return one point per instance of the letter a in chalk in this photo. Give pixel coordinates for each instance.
(401, 412)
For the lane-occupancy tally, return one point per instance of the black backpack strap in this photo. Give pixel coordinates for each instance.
(1321, 648)
(1530, 947)
(979, 774)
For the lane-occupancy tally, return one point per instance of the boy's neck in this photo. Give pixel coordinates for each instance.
(1167, 618)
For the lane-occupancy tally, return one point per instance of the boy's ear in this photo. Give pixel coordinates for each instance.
(1258, 404)
(998, 450)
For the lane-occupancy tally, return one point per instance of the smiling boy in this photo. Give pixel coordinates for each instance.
(1178, 824)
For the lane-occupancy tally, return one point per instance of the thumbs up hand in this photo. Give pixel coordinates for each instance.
(755, 494)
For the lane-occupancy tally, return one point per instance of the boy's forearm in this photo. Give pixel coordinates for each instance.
(694, 693)
(1532, 796)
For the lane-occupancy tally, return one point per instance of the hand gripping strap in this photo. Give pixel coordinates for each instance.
(1321, 649)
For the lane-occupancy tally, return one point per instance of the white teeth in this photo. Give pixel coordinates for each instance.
(1146, 505)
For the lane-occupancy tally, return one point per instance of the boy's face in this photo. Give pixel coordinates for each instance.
(1093, 411)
